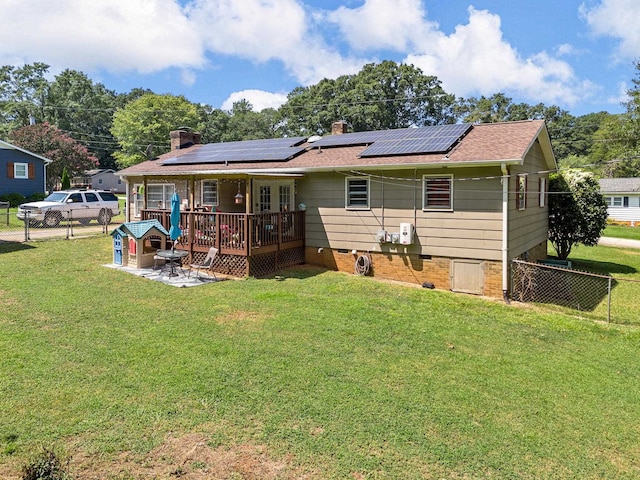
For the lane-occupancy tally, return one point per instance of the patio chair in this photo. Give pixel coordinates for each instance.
(159, 262)
(206, 264)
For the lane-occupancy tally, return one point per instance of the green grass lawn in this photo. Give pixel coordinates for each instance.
(621, 263)
(622, 231)
(336, 375)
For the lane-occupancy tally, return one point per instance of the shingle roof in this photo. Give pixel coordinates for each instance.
(620, 185)
(489, 143)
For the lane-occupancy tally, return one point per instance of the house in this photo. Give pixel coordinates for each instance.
(21, 171)
(622, 196)
(451, 205)
(99, 179)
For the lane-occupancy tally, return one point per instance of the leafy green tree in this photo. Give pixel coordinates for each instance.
(214, 123)
(245, 124)
(577, 211)
(85, 110)
(22, 95)
(617, 142)
(65, 181)
(48, 141)
(380, 96)
(143, 125)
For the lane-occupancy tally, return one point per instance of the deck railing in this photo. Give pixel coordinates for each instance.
(235, 233)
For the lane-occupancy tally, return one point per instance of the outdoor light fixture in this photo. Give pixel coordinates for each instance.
(239, 197)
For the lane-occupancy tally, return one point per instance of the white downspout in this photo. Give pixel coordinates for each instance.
(505, 232)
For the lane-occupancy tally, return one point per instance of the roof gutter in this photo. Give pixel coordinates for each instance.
(505, 232)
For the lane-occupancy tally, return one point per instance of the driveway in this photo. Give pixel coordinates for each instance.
(619, 242)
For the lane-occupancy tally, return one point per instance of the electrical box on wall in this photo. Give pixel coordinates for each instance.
(406, 233)
(382, 236)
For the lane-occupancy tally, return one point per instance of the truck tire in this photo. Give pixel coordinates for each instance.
(104, 217)
(52, 219)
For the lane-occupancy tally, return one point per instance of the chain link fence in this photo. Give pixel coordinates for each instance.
(74, 225)
(595, 296)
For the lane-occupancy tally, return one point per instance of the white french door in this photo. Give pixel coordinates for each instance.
(273, 196)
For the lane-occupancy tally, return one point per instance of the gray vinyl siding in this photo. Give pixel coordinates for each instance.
(528, 227)
(473, 229)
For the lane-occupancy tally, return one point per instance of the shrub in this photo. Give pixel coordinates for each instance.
(14, 199)
(46, 466)
(36, 197)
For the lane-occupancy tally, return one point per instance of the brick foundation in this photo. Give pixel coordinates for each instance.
(408, 268)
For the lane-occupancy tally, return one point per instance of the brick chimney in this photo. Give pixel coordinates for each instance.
(184, 139)
(339, 127)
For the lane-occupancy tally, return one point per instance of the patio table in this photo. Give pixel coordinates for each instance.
(173, 258)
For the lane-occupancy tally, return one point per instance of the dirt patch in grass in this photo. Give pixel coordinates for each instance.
(187, 457)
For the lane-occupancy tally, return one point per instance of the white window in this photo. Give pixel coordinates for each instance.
(616, 201)
(210, 192)
(437, 192)
(542, 191)
(159, 195)
(357, 193)
(521, 185)
(20, 170)
(285, 198)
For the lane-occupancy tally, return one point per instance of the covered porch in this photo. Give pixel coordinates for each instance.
(249, 244)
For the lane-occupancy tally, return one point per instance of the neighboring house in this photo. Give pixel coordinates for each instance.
(622, 196)
(99, 179)
(450, 205)
(21, 171)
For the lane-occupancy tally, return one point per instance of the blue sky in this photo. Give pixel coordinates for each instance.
(577, 54)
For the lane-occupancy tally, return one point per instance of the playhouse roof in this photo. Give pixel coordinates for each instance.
(140, 229)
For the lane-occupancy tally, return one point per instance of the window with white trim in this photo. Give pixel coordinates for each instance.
(437, 192)
(542, 191)
(521, 186)
(616, 201)
(210, 192)
(20, 170)
(159, 195)
(357, 192)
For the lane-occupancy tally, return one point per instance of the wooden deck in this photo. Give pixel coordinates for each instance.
(255, 244)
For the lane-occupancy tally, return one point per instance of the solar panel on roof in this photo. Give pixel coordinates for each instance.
(434, 139)
(277, 149)
(342, 140)
(399, 135)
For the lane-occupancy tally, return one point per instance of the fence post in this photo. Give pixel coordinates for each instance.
(69, 220)
(27, 222)
(609, 306)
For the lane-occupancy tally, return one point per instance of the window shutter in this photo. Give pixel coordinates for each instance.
(10, 170)
(625, 202)
(32, 171)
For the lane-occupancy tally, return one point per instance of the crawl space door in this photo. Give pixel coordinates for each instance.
(467, 276)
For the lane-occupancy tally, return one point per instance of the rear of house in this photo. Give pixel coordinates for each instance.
(470, 211)
(448, 205)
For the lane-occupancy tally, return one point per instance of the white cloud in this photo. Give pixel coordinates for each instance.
(476, 59)
(375, 25)
(259, 99)
(269, 30)
(618, 19)
(116, 35)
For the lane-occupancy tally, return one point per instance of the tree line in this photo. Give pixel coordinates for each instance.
(115, 130)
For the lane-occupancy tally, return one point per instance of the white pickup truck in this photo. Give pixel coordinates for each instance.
(81, 205)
